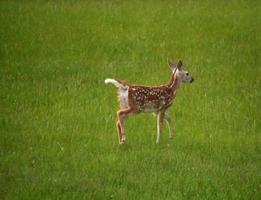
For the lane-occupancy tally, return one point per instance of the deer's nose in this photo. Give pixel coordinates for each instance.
(192, 79)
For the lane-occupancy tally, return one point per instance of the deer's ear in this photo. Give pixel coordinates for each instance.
(179, 64)
(171, 65)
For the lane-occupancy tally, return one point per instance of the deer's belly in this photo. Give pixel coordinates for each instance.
(149, 109)
(150, 106)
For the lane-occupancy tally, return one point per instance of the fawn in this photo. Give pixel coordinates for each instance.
(134, 99)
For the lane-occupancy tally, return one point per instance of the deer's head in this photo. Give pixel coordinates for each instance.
(179, 71)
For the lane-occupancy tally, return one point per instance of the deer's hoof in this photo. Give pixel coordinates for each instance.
(122, 142)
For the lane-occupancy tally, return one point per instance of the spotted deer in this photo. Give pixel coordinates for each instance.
(135, 99)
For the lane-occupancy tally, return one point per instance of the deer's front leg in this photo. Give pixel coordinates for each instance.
(168, 121)
(160, 117)
(121, 116)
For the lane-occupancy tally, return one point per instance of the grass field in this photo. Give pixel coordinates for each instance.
(57, 117)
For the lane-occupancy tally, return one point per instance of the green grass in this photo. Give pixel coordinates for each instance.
(57, 117)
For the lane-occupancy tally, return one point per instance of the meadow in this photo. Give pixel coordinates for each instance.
(58, 138)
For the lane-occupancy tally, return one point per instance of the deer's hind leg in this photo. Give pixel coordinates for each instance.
(121, 116)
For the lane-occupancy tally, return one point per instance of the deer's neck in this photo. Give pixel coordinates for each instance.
(174, 83)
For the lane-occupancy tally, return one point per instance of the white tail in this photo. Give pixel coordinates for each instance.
(114, 82)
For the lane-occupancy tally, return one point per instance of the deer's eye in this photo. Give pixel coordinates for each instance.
(187, 73)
